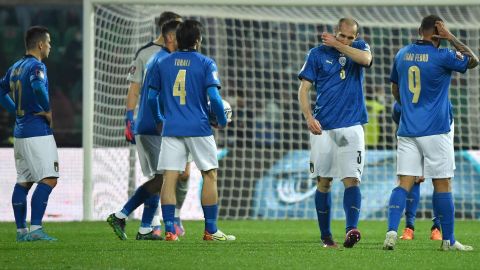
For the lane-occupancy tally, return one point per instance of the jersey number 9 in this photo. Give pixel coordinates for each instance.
(179, 86)
(414, 82)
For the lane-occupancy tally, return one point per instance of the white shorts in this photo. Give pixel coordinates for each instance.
(175, 152)
(431, 156)
(338, 153)
(148, 148)
(36, 158)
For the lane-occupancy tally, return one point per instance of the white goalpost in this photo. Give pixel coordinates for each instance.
(259, 47)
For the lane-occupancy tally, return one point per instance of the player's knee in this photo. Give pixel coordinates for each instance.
(52, 182)
(184, 176)
(324, 184)
(26, 185)
(350, 182)
(210, 175)
(442, 185)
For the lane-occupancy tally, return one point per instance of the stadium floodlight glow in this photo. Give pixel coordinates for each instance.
(259, 47)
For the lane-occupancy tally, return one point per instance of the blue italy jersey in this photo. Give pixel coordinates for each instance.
(19, 79)
(144, 124)
(182, 79)
(338, 81)
(423, 73)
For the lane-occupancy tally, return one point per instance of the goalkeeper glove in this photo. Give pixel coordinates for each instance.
(129, 123)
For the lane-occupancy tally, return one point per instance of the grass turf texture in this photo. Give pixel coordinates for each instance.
(259, 245)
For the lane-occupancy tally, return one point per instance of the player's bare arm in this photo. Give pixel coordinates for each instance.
(361, 57)
(396, 93)
(444, 33)
(132, 96)
(304, 100)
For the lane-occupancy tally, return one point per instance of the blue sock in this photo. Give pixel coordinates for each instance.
(411, 206)
(435, 219)
(352, 201)
(443, 205)
(178, 221)
(210, 213)
(396, 205)
(136, 200)
(19, 204)
(39, 203)
(150, 207)
(168, 213)
(323, 205)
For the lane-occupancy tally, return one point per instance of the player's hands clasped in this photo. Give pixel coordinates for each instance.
(329, 39)
(314, 126)
(443, 32)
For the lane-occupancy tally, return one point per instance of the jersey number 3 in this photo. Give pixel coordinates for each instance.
(414, 82)
(179, 86)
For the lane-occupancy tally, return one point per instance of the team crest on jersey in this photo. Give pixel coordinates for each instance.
(342, 60)
(39, 74)
(132, 70)
(459, 56)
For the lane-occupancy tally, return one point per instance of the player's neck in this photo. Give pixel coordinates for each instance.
(35, 54)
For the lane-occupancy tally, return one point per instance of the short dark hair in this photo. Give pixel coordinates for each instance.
(428, 23)
(34, 35)
(348, 21)
(170, 26)
(165, 17)
(188, 33)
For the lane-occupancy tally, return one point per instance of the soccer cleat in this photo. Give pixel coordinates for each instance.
(329, 243)
(171, 236)
(218, 236)
(40, 235)
(148, 236)
(352, 237)
(390, 240)
(446, 246)
(436, 235)
(157, 230)
(408, 234)
(179, 230)
(118, 225)
(22, 237)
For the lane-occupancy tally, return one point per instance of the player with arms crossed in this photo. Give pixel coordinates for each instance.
(420, 77)
(180, 88)
(36, 156)
(413, 197)
(336, 69)
(148, 140)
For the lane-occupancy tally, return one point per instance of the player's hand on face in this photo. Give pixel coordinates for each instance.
(48, 116)
(329, 39)
(314, 126)
(443, 32)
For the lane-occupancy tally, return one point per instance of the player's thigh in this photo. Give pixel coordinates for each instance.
(204, 152)
(41, 157)
(439, 156)
(409, 157)
(173, 154)
(351, 152)
(148, 148)
(21, 165)
(322, 154)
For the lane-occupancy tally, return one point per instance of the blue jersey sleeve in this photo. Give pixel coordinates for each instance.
(152, 78)
(454, 60)
(39, 85)
(5, 83)
(394, 72)
(5, 99)
(309, 69)
(396, 112)
(212, 75)
(361, 45)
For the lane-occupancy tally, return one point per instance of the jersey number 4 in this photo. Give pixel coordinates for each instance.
(414, 82)
(179, 86)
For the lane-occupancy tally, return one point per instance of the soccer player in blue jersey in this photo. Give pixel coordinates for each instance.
(336, 70)
(420, 77)
(180, 88)
(36, 156)
(148, 142)
(413, 198)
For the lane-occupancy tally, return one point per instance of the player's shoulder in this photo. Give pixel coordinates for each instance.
(361, 44)
(144, 48)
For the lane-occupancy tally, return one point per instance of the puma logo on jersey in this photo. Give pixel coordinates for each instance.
(329, 61)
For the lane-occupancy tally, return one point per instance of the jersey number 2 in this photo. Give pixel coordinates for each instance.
(179, 86)
(414, 82)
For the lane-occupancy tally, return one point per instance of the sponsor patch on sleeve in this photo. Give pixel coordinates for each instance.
(459, 56)
(39, 74)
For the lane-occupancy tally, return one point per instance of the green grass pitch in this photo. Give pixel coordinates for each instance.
(282, 244)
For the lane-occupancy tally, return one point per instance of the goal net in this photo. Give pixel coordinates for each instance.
(264, 172)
